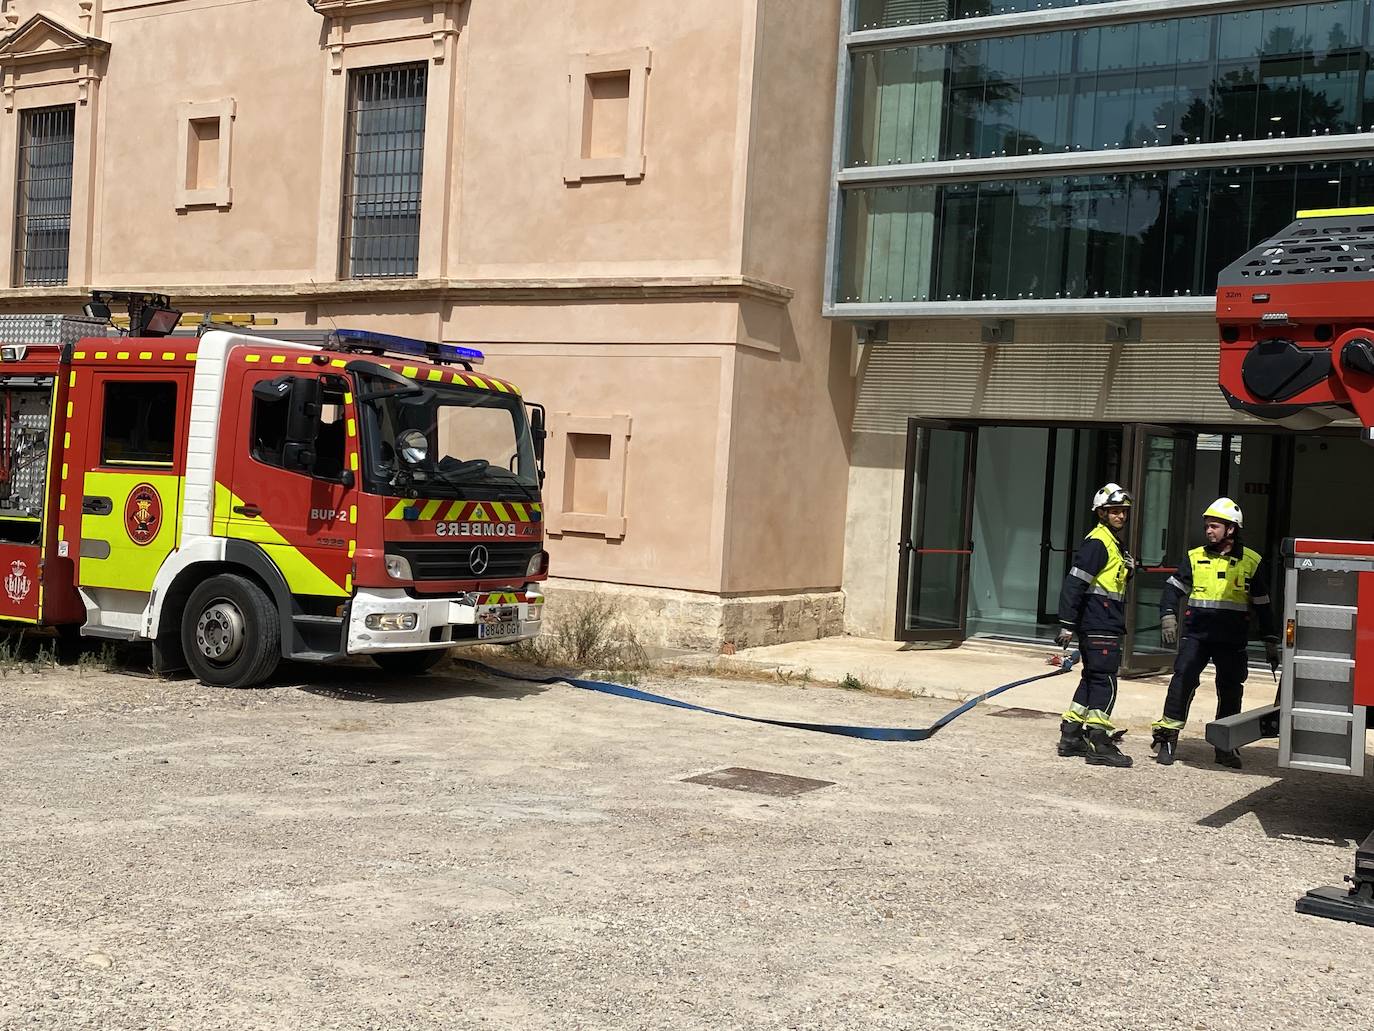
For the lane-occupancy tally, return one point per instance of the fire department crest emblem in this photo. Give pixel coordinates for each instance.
(18, 584)
(143, 513)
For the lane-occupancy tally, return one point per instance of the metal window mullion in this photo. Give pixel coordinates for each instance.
(1348, 146)
(1030, 22)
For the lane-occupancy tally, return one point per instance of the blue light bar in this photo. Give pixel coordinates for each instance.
(377, 343)
(455, 353)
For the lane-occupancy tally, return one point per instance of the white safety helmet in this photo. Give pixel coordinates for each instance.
(1226, 510)
(1113, 495)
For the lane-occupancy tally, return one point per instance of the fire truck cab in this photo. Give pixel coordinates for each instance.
(238, 499)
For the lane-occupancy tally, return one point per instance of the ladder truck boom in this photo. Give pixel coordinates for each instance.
(1295, 316)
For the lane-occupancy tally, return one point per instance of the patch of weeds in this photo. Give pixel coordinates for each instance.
(103, 661)
(853, 683)
(20, 653)
(793, 676)
(587, 632)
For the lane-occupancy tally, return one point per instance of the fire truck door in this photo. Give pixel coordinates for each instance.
(302, 519)
(133, 461)
(25, 462)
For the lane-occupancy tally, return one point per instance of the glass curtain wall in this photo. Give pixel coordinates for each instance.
(886, 14)
(1136, 234)
(1246, 75)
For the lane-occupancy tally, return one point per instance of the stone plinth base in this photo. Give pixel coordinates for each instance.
(708, 622)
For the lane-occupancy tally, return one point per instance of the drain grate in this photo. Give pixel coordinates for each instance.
(1024, 714)
(761, 782)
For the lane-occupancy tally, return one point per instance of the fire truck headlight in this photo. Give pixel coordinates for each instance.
(539, 563)
(392, 621)
(398, 568)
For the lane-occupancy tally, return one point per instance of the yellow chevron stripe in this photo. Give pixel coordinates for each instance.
(430, 510)
(501, 514)
(454, 509)
(519, 510)
(398, 510)
(301, 575)
(479, 381)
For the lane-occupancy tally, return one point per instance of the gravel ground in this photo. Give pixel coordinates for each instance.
(332, 852)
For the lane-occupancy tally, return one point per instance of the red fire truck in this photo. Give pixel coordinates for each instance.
(238, 499)
(1296, 318)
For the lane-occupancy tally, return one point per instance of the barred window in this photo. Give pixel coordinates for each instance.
(385, 149)
(43, 205)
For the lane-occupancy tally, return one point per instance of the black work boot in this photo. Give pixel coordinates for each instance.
(1072, 740)
(1165, 745)
(1231, 759)
(1104, 748)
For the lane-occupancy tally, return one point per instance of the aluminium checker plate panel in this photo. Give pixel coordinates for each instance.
(51, 329)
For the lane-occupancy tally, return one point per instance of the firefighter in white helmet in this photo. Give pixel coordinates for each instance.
(1219, 583)
(1092, 604)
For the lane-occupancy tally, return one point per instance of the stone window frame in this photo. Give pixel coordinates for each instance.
(68, 71)
(584, 67)
(611, 523)
(221, 195)
(372, 34)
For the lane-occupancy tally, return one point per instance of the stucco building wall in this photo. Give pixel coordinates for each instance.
(666, 312)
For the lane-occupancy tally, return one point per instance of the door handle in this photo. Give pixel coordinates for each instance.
(249, 509)
(92, 505)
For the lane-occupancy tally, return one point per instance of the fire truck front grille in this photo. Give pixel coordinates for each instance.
(444, 561)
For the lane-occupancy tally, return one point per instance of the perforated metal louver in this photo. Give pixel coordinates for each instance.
(1321, 247)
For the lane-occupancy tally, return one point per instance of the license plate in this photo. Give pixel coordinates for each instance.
(491, 631)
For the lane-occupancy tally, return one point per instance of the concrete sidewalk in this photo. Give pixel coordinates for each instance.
(960, 673)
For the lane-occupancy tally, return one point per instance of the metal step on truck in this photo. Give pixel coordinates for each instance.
(237, 499)
(1296, 321)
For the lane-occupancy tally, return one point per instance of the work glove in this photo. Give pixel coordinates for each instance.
(1064, 638)
(1271, 652)
(1168, 630)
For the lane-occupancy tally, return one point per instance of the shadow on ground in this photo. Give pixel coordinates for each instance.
(1300, 805)
(372, 686)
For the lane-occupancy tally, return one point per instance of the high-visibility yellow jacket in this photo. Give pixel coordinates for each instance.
(1218, 592)
(1093, 598)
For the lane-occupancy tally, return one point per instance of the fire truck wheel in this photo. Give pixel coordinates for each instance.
(410, 664)
(230, 632)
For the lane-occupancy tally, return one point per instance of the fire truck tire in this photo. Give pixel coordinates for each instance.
(231, 632)
(410, 664)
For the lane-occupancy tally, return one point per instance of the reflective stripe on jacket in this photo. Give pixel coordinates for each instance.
(1093, 598)
(1220, 591)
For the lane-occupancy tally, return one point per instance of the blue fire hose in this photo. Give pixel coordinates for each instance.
(866, 733)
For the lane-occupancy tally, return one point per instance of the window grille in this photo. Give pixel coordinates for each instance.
(43, 206)
(383, 160)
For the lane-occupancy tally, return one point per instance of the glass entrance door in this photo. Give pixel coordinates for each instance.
(937, 541)
(1161, 476)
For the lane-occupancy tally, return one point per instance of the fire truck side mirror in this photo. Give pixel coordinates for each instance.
(302, 422)
(537, 432)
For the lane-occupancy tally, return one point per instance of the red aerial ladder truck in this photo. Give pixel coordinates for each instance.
(238, 499)
(1296, 320)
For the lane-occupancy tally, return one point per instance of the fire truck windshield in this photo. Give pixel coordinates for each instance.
(444, 440)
